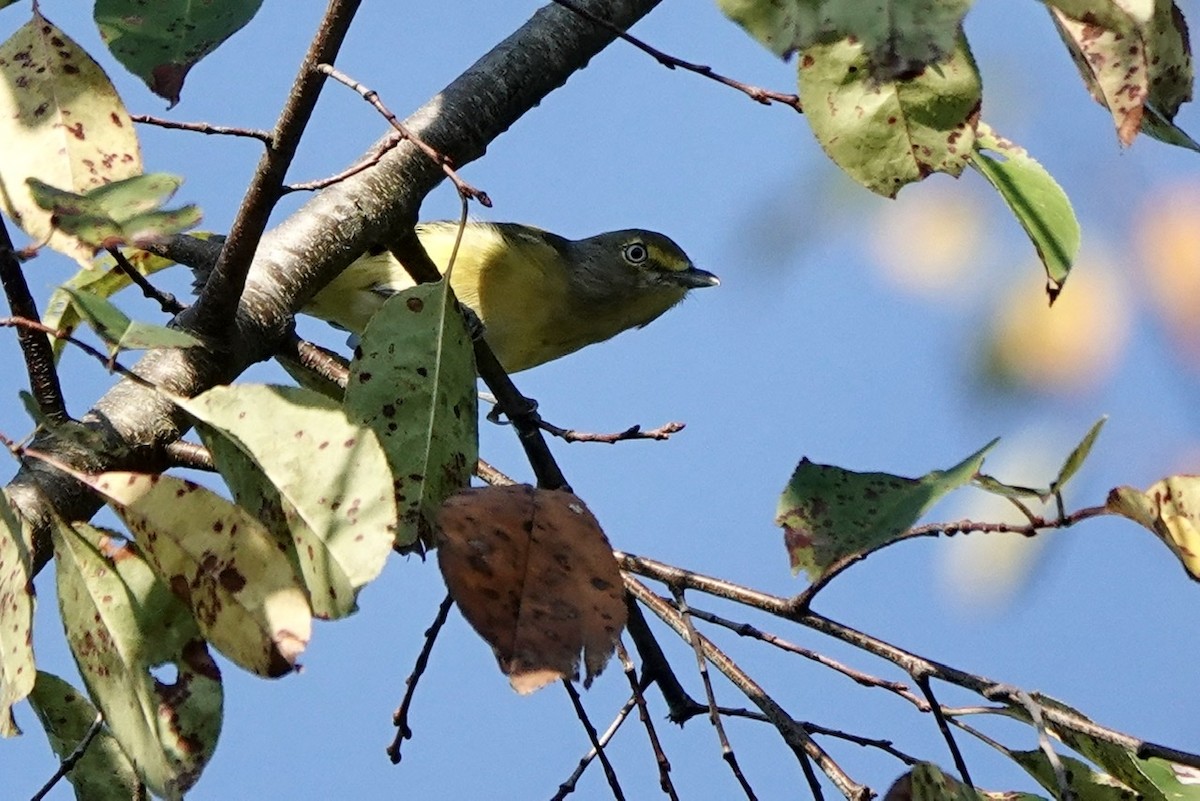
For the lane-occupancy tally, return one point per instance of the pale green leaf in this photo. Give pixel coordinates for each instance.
(1037, 201)
(222, 562)
(121, 333)
(122, 621)
(318, 480)
(17, 671)
(1078, 455)
(62, 122)
(886, 134)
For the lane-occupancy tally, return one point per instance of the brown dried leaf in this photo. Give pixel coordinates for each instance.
(533, 573)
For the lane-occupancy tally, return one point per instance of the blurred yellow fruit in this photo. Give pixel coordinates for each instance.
(1167, 234)
(929, 240)
(1071, 347)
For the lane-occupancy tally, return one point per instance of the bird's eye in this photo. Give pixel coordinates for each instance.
(635, 253)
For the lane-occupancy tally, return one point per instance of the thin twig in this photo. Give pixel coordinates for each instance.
(203, 127)
(764, 96)
(681, 707)
(638, 688)
(67, 764)
(581, 713)
(491, 475)
(218, 301)
(370, 160)
(866, 742)
(165, 300)
(633, 432)
(35, 346)
(465, 190)
(789, 728)
(922, 680)
(400, 717)
(571, 782)
(1035, 525)
(692, 637)
(1066, 793)
(858, 676)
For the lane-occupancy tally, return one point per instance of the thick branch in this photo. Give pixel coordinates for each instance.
(309, 248)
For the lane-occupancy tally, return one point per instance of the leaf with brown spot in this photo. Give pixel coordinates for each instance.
(413, 382)
(829, 513)
(1136, 63)
(533, 573)
(315, 478)
(65, 126)
(221, 561)
(1171, 509)
(17, 670)
(122, 622)
(161, 41)
(104, 773)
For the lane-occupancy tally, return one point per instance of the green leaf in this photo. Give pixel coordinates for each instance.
(1037, 201)
(318, 480)
(412, 382)
(996, 487)
(159, 42)
(121, 333)
(886, 134)
(1083, 780)
(1077, 456)
(221, 561)
(899, 38)
(103, 279)
(16, 614)
(1152, 779)
(1171, 509)
(118, 213)
(103, 773)
(926, 782)
(829, 513)
(122, 622)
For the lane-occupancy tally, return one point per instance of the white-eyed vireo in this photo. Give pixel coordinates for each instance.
(540, 296)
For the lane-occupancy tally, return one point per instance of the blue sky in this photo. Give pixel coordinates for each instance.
(809, 348)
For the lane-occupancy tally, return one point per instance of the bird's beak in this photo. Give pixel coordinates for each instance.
(695, 278)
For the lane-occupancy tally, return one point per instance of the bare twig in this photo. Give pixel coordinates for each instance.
(922, 680)
(597, 746)
(370, 160)
(203, 127)
(400, 717)
(491, 475)
(866, 742)
(67, 764)
(714, 717)
(764, 96)
(788, 727)
(165, 300)
(465, 190)
(1036, 524)
(639, 697)
(35, 346)
(569, 784)
(219, 299)
(633, 432)
(858, 676)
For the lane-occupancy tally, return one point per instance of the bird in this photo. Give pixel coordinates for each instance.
(539, 296)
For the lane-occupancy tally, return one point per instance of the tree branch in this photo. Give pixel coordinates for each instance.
(294, 260)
